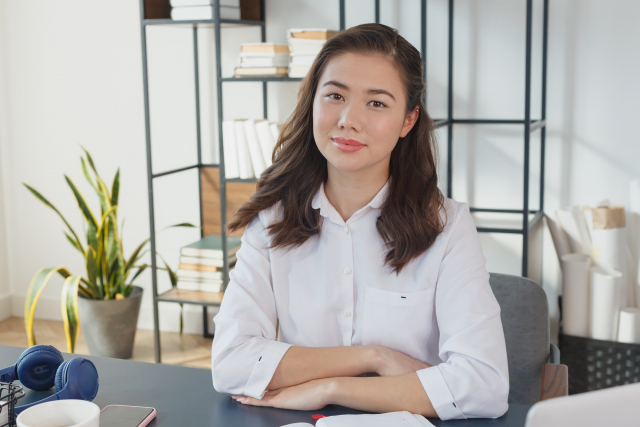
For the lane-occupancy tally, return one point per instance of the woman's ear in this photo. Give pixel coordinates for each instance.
(411, 120)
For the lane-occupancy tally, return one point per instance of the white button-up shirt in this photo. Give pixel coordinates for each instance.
(335, 290)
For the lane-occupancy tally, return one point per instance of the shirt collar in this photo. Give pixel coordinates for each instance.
(320, 200)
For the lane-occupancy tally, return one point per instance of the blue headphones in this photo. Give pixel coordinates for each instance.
(41, 367)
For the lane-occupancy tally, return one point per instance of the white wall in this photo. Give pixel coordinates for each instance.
(72, 75)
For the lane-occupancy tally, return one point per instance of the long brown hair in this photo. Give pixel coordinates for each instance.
(410, 219)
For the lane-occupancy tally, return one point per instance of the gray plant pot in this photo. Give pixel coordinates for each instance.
(110, 326)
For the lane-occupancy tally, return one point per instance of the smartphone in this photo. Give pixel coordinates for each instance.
(126, 416)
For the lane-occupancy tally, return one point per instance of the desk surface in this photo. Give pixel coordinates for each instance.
(185, 396)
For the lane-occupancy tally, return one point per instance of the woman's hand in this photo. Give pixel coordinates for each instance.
(307, 396)
(392, 362)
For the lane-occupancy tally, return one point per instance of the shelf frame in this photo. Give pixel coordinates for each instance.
(529, 126)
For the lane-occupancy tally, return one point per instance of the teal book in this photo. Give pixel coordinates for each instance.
(211, 247)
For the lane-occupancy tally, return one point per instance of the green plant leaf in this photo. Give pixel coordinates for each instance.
(92, 269)
(141, 268)
(70, 310)
(36, 286)
(86, 212)
(47, 203)
(74, 243)
(115, 189)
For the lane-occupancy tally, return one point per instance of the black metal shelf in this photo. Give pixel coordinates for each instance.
(204, 22)
(530, 218)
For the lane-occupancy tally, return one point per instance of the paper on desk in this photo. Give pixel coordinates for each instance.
(389, 419)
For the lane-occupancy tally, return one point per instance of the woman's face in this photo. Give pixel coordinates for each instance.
(359, 112)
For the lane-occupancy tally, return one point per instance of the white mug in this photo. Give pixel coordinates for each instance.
(61, 413)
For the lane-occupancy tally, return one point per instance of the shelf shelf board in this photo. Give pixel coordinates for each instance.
(191, 297)
(204, 22)
(251, 180)
(261, 79)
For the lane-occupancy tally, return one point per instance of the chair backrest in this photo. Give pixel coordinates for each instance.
(525, 320)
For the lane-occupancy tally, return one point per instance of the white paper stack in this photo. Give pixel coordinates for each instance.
(192, 10)
(575, 294)
(262, 59)
(304, 45)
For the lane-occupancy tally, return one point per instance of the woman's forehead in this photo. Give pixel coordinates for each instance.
(361, 72)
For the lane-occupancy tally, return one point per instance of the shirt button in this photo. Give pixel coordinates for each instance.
(347, 271)
(347, 313)
(346, 230)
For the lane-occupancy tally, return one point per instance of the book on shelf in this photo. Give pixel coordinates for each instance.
(299, 70)
(198, 267)
(263, 48)
(302, 59)
(211, 247)
(197, 286)
(227, 3)
(199, 276)
(194, 13)
(265, 138)
(231, 165)
(256, 59)
(261, 72)
(205, 261)
(244, 161)
(311, 33)
(257, 159)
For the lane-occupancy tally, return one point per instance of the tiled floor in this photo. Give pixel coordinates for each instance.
(185, 349)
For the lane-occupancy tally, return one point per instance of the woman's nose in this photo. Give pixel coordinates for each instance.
(351, 117)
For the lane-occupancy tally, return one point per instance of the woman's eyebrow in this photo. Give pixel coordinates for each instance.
(371, 91)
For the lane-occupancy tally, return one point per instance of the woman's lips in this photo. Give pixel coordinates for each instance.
(347, 145)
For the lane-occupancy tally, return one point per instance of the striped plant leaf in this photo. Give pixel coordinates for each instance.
(70, 310)
(47, 203)
(86, 212)
(115, 189)
(36, 286)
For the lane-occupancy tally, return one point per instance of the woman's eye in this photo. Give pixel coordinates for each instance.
(378, 104)
(331, 95)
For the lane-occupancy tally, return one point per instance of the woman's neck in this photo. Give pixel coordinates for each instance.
(350, 191)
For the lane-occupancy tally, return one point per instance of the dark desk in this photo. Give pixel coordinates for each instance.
(185, 397)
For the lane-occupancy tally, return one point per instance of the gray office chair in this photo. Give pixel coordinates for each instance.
(525, 320)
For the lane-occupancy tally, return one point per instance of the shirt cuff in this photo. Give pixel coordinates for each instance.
(439, 394)
(264, 369)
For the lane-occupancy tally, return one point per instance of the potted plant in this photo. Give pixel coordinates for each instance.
(109, 302)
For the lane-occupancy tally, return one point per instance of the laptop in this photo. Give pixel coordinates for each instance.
(617, 407)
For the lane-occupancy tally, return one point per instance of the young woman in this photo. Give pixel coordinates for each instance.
(353, 263)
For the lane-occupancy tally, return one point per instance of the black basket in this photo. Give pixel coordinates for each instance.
(597, 364)
(9, 395)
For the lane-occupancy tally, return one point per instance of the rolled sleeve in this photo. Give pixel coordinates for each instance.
(473, 380)
(245, 353)
(439, 394)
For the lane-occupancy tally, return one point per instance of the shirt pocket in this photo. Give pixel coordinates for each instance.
(401, 321)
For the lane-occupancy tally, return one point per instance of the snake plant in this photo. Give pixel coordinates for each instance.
(107, 269)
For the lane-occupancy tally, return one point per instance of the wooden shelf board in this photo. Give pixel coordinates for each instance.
(191, 297)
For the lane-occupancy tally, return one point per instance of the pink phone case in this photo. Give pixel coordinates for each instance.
(144, 422)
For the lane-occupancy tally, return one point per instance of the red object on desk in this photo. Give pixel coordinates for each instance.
(317, 416)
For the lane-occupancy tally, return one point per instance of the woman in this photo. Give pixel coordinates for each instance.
(353, 263)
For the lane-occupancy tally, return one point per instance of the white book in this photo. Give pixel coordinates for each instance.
(206, 261)
(261, 54)
(194, 13)
(275, 131)
(231, 165)
(396, 419)
(244, 161)
(302, 59)
(266, 140)
(305, 46)
(257, 160)
(208, 287)
(179, 3)
(298, 70)
(192, 280)
(188, 286)
(282, 60)
(201, 275)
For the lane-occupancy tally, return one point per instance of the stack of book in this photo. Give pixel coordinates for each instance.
(248, 147)
(262, 59)
(201, 263)
(304, 45)
(192, 10)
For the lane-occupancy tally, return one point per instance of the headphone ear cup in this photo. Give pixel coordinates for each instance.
(37, 366)
(61, 376)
